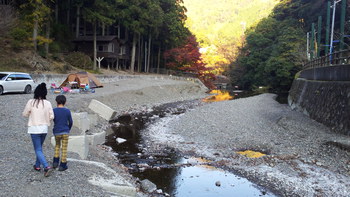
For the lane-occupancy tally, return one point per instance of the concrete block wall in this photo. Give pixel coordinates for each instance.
(97, 138)
(327, 102)
(76, 144)
(101, 109)
(81, 121)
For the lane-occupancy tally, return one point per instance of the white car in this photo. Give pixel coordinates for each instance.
(16, 82)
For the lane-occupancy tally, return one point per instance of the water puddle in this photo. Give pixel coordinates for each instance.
(173, 173)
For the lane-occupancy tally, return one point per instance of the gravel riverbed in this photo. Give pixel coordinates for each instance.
(300, 160)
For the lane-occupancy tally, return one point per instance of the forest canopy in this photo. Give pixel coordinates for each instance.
(220, 25)
(53, 26)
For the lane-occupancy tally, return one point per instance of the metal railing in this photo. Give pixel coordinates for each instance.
(336, 58)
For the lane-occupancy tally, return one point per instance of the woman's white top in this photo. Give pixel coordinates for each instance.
(38, 129)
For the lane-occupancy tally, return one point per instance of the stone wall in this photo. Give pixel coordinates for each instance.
(327, 102)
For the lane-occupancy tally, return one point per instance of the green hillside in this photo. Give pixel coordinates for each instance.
(275, 49)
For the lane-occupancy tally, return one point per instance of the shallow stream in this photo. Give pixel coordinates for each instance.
(175, 174)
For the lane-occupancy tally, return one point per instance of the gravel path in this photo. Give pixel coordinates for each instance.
(17, 177)
(300, 159)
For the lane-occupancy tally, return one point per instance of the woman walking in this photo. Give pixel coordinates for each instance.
(40, 113)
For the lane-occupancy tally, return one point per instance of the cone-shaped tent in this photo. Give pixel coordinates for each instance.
(82, 78)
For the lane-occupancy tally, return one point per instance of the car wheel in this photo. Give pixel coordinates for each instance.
(1, 90)
(28, 89)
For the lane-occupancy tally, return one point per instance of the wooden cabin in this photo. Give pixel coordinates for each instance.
(115, 52)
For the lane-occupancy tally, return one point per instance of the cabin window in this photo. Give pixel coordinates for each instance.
(110, 47)
(106, 48)
(122, 50)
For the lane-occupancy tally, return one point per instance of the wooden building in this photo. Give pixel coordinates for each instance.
(115, 52)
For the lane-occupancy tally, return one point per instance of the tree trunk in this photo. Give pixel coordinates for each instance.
(35, 34)
(84, 33)
(158, 64)
(77, 23)
(103, 29)
(118, 31)
(134, 41)
(149, 52)
(95, 51)
(56, 11)
(139, 55)
(145, 63)
(68, 13)
(47, 37)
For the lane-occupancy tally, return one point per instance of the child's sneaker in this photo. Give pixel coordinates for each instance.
(47, 171)
(36, 168)
(63, 167)
(55, 162)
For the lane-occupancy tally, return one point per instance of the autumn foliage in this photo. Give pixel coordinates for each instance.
(187, 58)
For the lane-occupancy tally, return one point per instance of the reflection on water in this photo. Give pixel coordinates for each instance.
(251, 154)
(224, 95)
(201, 181)
(218, 95)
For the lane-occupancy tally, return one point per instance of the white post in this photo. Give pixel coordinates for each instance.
(332, 29)
(307, 45)
(99, 59)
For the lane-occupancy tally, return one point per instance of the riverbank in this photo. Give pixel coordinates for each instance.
(301, 159)
(100, 174)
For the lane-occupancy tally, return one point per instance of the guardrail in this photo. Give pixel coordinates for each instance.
(336, 58)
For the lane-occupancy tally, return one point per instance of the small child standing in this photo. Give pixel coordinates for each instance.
(62, 125)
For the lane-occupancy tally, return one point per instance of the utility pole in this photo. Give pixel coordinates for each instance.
(319, 30)
(342, 22)
(312, 42)
(328, 21)
(332, 29)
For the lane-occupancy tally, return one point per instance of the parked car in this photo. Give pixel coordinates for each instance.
(16, 82)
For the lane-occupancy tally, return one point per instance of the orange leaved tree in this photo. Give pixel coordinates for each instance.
(187, 58)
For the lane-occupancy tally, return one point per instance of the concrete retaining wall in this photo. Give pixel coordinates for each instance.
(59, 78)
(327, 102)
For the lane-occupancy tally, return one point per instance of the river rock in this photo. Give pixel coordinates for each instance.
(120, 140)
(148, 186)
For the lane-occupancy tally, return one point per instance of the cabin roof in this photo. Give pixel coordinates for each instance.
(98, 38)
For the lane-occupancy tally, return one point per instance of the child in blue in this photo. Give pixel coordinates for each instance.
(62, 125)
